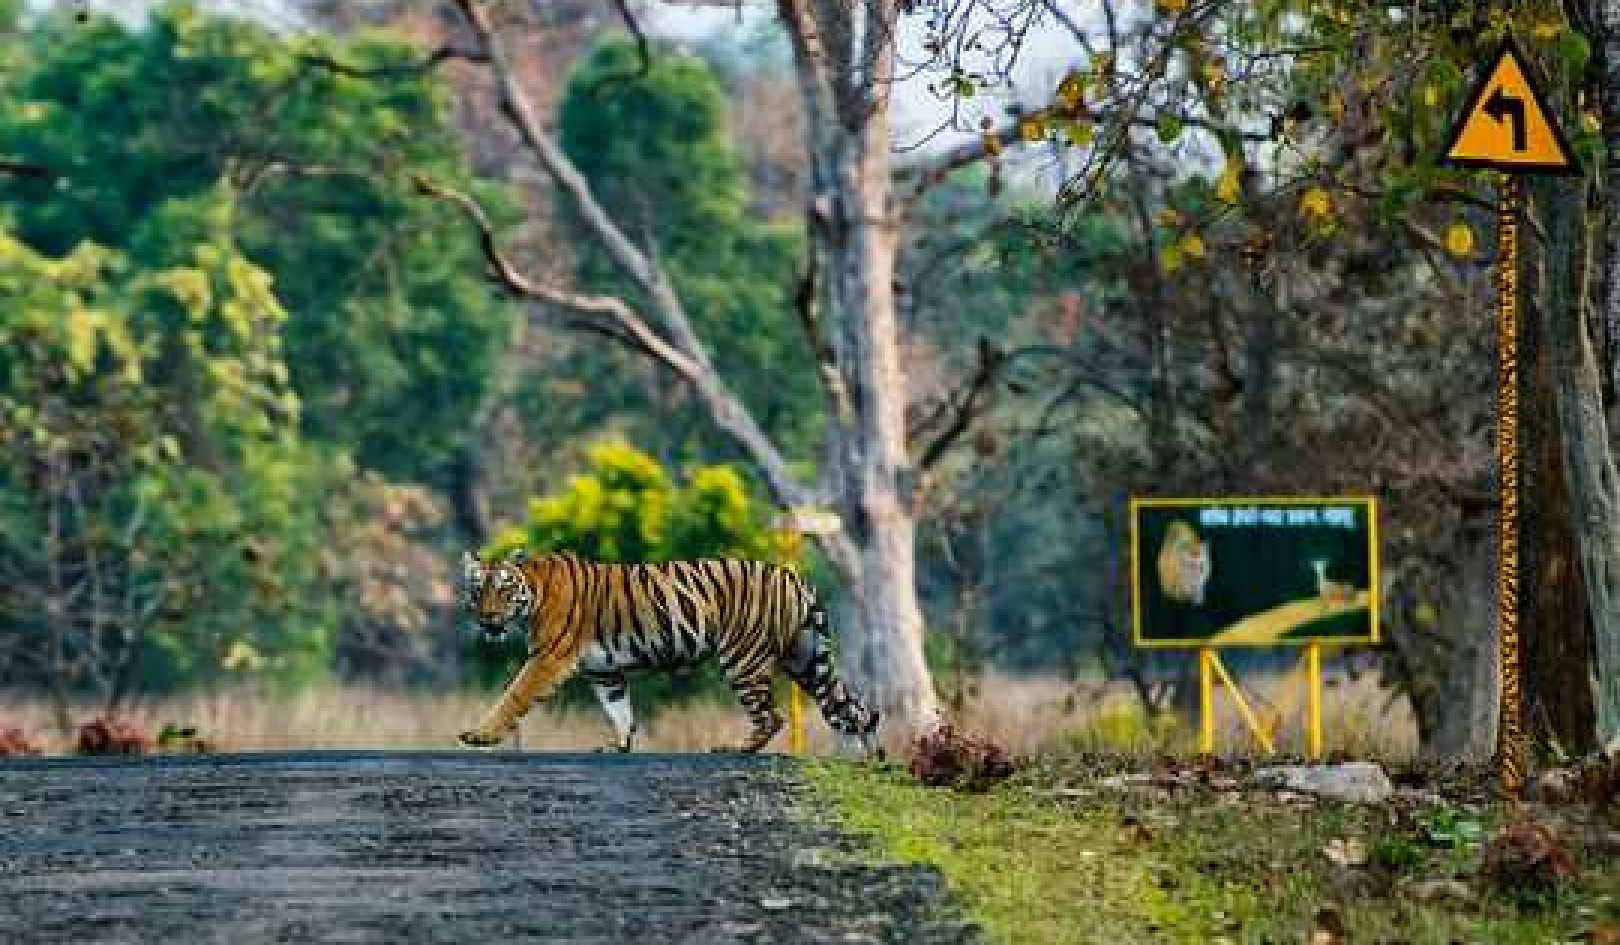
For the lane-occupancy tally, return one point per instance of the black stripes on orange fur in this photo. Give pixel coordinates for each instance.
(754, 617)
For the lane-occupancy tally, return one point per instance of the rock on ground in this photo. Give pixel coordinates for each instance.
(1361, 782)
(417, 848)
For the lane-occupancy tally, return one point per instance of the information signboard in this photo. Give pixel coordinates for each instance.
(1254, 571)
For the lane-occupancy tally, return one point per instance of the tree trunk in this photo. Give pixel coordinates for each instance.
(1556, 629)
(847, 97)
(1463, 710)
(1594, 482)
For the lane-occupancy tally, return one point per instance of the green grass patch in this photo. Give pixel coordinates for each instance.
(1036, 862)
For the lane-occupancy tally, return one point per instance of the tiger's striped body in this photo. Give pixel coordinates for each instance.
(602, 619)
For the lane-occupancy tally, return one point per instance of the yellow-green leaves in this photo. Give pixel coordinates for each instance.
(627, 508)
(1460, 240)
(1079, 133)
(1229, 189)
(1316, 205)
(81, 329)
(1071, 94)
(242, 656)
(190, 288)
(1187, 249)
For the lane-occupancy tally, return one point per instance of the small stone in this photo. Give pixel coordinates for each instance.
(1436, 890)
(775, 903)
(1360, 782)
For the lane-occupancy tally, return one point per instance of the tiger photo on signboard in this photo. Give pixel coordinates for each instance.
(1254, 571)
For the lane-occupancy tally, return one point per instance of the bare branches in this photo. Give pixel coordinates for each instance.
(960, 409)
(643, 55)
(679, 345)
(400, 71)
(607, 315)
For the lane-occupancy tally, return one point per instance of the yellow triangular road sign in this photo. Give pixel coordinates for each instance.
(1507, 124)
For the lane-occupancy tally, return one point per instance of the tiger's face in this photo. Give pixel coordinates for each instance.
(498, 594)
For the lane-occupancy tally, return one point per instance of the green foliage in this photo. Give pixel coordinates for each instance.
(627, 508)
(391, 329)
(222, 307)
(1450, 827)
(151, 470)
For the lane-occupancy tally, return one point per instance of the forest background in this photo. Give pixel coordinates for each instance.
(263, 373)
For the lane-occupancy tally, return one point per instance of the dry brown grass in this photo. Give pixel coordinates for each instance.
(1031, 715)
(1025, 715)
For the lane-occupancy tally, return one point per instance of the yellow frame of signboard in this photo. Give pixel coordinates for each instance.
(1139, 502)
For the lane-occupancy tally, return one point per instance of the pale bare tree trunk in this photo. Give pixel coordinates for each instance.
(844, 57)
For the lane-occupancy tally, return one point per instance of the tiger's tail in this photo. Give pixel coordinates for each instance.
(811, 666)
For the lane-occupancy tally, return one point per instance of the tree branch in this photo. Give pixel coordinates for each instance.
(683, 344)
(24, 169)
(643, 55)
(934, 171)
(965, 406)
(604, 314)
(400, 71)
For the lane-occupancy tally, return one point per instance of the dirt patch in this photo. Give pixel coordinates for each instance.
(434, 847)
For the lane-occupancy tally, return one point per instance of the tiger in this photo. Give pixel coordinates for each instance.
(1184, 564)
(603, 618)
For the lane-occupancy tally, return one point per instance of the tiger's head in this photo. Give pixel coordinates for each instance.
(498, 594)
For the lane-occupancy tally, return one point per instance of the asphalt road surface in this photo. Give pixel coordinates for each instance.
(439, 847)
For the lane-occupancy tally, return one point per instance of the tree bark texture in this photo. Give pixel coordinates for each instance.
(1557, 637)
(1458, 714)
(844, 59)
(1594, 481)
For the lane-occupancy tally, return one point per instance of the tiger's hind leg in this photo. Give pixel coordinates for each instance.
(614, 694)
(810, 665)
(753, 688)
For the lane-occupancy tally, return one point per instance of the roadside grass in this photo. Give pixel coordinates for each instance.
(1027, 715)
(1050, 857)
(355, 717)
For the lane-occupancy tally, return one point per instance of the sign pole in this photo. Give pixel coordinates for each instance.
(1206, 701)
(792, 527)
(1506, 125)
(1313, 697)
(795, 719)
(1510, 730)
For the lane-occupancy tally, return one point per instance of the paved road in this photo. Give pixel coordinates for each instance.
(436, 847)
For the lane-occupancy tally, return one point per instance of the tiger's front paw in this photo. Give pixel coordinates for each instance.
(478, 738)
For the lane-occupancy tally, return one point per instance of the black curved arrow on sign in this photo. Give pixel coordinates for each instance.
(1504, 107)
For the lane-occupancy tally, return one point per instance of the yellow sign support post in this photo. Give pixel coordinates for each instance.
(795, 719)
(793, 526)
(1211, 668)
(1507, 126)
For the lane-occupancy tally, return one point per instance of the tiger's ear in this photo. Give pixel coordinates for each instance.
(472, 571)
(518, 556)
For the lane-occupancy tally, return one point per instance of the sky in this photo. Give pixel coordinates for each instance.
(917, 112)
(1047, 55)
